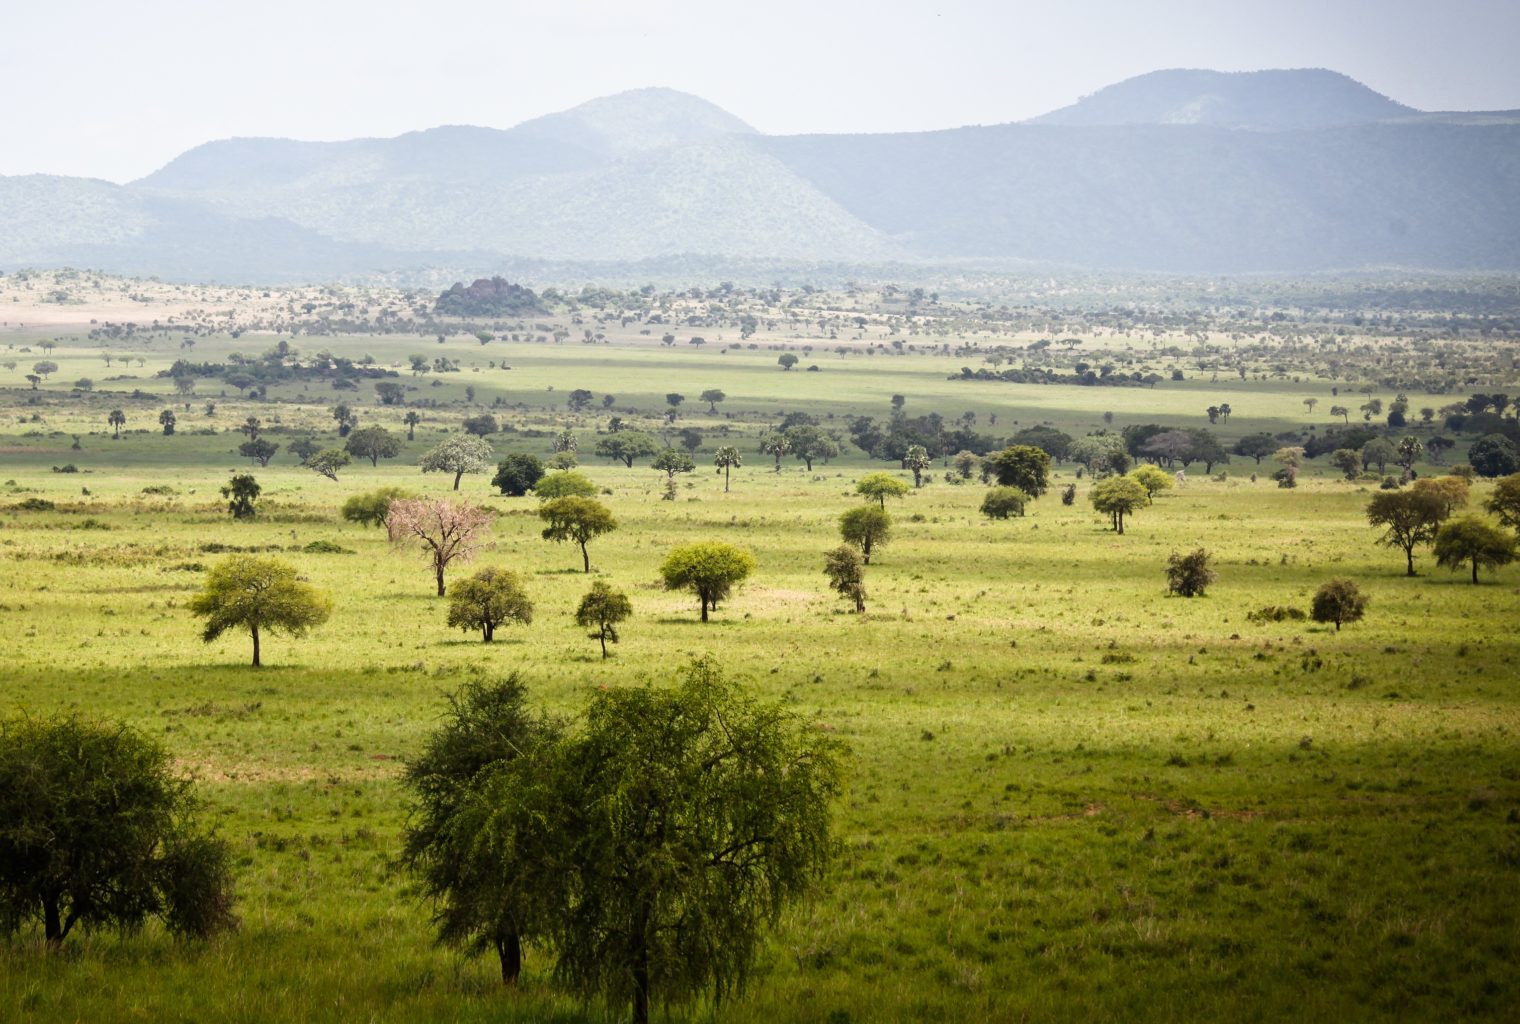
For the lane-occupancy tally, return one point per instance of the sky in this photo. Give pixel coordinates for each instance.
(105, 89)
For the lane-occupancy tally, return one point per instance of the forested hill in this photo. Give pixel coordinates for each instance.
(1284, 171)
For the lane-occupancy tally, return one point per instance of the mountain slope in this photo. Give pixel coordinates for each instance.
(1263, 100)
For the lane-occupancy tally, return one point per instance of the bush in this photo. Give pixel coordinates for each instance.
(1276, 613)
(1338, 601)
(1002, 502)
(1189, 575)
(517, 474)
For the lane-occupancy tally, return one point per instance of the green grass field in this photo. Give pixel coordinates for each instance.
(1072, 796)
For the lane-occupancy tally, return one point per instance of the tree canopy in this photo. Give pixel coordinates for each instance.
(488, 599)
(458, 455)
(709, 569)
(259, 595)
(577, 520)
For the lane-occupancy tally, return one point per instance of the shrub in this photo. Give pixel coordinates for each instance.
(1189, 575)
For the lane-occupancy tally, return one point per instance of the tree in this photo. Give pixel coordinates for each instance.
(601, 609)
(327, 462)
(1409, 451)
(1022, 466)
(373, 508)
(346, 418)
(46, 368)
(775, 444)
(866, 528)
(1256, 446)
(1189, 575)
(390, 393)
(712, 396)
(446, 531)
(786, 361)
(1379, 452)
(671, 461)
(1348, 461)
(916, 460)
(260, 451)
(167, 419)
(727, 459)
(625, 446)
(458, 455)
(691, 818)
(1002, 502)
(709, 569)
(808, 442)
(411, 419)
(517, 474)
(1408, 518)
(846, 572)
(487, 599)
(674, 400)
(1338, 601)
(1103, 452)
(479, 901)
(116, 419)
(578, 520)
(258, 595)
(1117, 497)
(1473, 540)
(1504, 502)
(374, 444)
(1493, 455)
(1205, 449)
(1450, 491)
(564, 483)
(97, 831)
(880, 486)
(1152, 479)
(241, 492)
(578, 399)
(1168, 446)
(481, 425)
(1055, 443)
(304, 448)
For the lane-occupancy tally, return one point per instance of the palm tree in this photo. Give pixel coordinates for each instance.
(411, 419)
(726, 458)
(117, 419)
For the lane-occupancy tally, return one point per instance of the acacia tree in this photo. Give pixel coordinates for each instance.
(709, 569)
(807, 442)
(1023, 466)
(600, 610)
(564, 484)
(487, 599)
(578, 520)
(1472, 540)
(1117, 497)
(259, 595)
(1338, 601)
(846, 572)
(726, 458)
(1152, 479)
(692, 817)
(626, 446)
(866, 528)
(481, 900)
(880, 486)
(372, 508)
(1409, 518)
(1504, 501)
(445, 531)
(458, 455)
(327, 462)
(259, 450)
(374, 444)
(712, 396)
(96, 830)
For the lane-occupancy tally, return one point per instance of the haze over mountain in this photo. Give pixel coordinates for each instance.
(1199, 171)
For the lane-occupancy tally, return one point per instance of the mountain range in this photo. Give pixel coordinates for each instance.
(1189, 171)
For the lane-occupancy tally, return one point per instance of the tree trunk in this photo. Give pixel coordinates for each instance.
(585, 558)
(255, 631)
(456, 479)
(52, 925)
(860, 604)
(1121, 523)
(866, 550)
(602, 636)
(1409, 555)
(1475, 572)
(509, 951)
(641, 985)
(704, 608)
(488, 630)
(438, 570)
(725, 479)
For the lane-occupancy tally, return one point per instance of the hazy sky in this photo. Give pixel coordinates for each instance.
(114, 90)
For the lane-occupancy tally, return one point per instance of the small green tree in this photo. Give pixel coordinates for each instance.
(1493, 455)
(671, 461)
(327, 462)
(259, 450)
(866, 528)
(458, 455)
(881, 486)
(96, 831)
(565, 483)
(241, 492)
(372, 508)
(1256, 446)
(259, 595)
(916, 460)
(374, 444)
(1409, 518)
(1504, 502)
(600, 610)
(1189, 575)
(709, 569)
(517, 474)
(167, 419)
(1117, 497)
(846, 572)
(485, 894)
(1348, 461)
(727, 459)
(1471, 540)
(1023, 466)
(578, 520)
(487, 599)
(1002, 502)
(626, 446)
(775, 444)
(1338, 601)
(712, 396)
(1379, 452)
(1153, 479)
(786, 360)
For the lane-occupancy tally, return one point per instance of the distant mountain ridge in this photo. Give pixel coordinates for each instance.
(1180, 170)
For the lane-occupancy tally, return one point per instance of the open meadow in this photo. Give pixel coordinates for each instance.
(1071, 796)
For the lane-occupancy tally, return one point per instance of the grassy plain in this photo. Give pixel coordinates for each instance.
(1072, 796)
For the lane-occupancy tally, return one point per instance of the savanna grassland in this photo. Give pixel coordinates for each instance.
(1071, 796)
